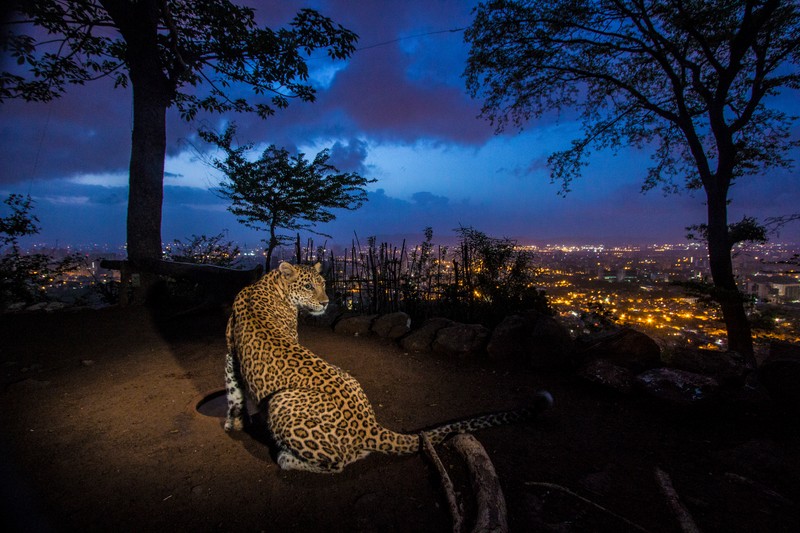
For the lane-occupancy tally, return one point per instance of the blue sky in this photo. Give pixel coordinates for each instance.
(397, 111)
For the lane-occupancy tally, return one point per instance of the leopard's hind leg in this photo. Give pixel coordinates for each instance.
(234, 389)
(303, 425)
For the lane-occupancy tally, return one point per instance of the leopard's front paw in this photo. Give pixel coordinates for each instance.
(234, 424)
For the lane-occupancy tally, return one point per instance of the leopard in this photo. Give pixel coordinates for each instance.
(318, 415)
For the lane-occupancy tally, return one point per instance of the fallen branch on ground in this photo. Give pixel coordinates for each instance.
(681, 513)
(491, 513)
(565, 490)
(447, 484)
(762, 488)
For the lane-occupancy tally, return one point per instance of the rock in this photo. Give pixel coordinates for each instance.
(627, 348)
(728, 368)
(421, 340)
(461, 340)
(678, 387)
(531, 338)
(392, 325)
(780, 375)
(54, 306)
(607, 374)
(357, 326)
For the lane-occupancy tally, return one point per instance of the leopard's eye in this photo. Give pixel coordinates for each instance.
(310, 286)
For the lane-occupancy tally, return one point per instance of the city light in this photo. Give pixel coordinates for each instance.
(641, 287)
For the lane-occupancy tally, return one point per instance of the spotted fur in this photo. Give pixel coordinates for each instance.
(318, 414)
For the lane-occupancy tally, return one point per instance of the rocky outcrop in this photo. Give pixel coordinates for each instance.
(392, 326)
(627, 348)
(533, 339)
(729, 368)
(678, 387)
(626, 361)
(421, 340)
(780, 375)
(357, 326)
(607, 374)
(461, 340)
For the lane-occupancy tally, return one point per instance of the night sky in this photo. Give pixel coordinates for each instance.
(396, 111)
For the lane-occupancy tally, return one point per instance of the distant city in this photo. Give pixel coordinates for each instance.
(645, 287)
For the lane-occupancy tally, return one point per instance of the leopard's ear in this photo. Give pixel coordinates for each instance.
(288, 271)
(318, 267)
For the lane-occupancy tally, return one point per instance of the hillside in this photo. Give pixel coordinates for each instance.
(100, 433)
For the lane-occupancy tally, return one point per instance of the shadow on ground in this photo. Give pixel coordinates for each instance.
(100, 433)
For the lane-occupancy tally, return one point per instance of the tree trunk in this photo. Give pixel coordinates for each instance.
(272, 244)
(138, 22)
(146, 171)
(725, 291)
(152, 93)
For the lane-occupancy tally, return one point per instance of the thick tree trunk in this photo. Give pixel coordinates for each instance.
(138, 23)
(725, 292)
(146, 171)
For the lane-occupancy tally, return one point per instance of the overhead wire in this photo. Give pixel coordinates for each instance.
(384, 43)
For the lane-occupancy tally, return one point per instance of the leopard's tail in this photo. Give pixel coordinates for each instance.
(408, 443)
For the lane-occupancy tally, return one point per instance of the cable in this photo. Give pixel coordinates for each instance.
(376, 45)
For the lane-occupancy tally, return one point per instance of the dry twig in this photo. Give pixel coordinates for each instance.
(597, 506)
(681, 513)
(447, 484)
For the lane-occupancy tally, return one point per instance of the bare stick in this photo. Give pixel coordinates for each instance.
(763, 488)
(597, 506)
(447, 484)
(681, 513)
(491, 514)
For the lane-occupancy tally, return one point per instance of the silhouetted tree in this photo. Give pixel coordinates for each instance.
(24, 277)
(204, 250)
(279, 191)
(691, 79)
(497, 278)
(180, 53)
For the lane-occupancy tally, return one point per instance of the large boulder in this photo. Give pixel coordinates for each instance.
(357, 326)
(421, 340)
(627, 348)
(532, 338)
(608, 375)
(780, 375)
(677, 387)
(392, 325)
(729, 368)
(461, 340)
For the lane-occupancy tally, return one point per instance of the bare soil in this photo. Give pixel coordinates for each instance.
(100, 433)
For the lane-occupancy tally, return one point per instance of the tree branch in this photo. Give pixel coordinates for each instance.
(456, 510)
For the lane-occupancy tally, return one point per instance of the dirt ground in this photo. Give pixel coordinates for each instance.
(100, 433)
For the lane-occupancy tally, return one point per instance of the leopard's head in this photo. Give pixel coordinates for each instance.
(305, 287)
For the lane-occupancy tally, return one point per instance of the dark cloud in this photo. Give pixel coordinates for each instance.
(382, 101)
(429, 200)
(350, 157)
(399, 90)
(403, 86)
